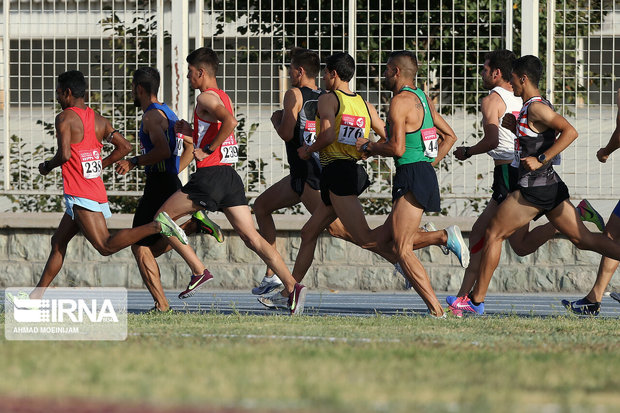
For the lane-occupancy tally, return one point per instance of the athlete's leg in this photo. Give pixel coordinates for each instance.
(511, 215)
(279, 195)
(476, 241)
(149, 271)
(405, 221)
(525, 241)
(67, 229)
(608, 266)
(177, 206)
(93, 226)
(564, 218)
(323, 215)
(241, 220)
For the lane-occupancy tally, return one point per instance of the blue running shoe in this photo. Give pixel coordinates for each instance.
(615, 296)
(582, 307)
(451, 299)
(462, 304)
(456, 244)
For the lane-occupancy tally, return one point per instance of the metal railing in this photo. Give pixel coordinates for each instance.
(108, 39)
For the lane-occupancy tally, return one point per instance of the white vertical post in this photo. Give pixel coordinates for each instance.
(199, 22)
(179, 32)
(550, 48)
(530, 33)
(509, 23)
(352, 46)
(160, 47)
(7, 96)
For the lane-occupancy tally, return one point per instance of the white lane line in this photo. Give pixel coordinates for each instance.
(274, 337)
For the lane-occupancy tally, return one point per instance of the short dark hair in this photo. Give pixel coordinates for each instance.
(529, 65)
(148, 78)
(408, 55)
(206, 58)
(503, 60)
(74, 81)
(343, 64)
(307, 59)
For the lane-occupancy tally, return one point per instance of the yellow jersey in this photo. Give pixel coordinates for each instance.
(352, 122)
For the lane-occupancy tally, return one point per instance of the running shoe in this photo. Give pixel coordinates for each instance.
(195, 283)
(169, 228)
(462, 304)
(297, 299)
(155, 310)
(582, 307)
(430, 227)
(206, 226)
(456, 244)
(615, 296)
(587, 213)
(22, 301)
(431, 315)
(267, 285)
(274, 301)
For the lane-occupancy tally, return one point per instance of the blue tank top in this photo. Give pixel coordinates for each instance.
(170, 165)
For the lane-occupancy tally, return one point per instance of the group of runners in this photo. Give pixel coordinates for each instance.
(326, 133)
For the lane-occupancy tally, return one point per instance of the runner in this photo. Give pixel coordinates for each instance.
(295, 124)
(216, 185)
(413, 130)
(163, 156)
(540, 189)
(80, 133)
(591, 303)
(497, 142)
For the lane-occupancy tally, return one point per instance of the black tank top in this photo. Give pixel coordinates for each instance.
(305, 130)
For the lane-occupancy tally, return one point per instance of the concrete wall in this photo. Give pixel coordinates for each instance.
(25, 245)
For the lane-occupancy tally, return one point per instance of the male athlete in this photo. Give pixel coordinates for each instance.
(591, 303)
(295, 124)
(80, 133)
(163, 156)
(540, 191)
(413, 129)
(216, 185)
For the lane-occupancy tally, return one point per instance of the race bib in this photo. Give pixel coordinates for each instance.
(517, 160)
(429, 138)
(91, 164)
(178, 150)
(351, 128)
(310, 132)
(230, 150)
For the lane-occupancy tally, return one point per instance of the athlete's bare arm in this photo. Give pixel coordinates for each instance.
(326, 110)
(284, 121)
(541, 118)
(492, 108)
(400, 108)
(614, 141)
(63, 140)
(210, 107)
(154, 124)
(448, 136)
(103, 128)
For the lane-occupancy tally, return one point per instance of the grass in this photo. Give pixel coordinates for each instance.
(386, 364)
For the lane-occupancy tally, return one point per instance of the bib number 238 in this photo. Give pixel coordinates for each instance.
(431, 145)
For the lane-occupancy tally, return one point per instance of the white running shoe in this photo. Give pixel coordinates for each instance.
(274, 301)
(456, 244)
(267, 285)
(430, 227)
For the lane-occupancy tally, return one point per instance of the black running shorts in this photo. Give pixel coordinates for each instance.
(215, 188)
(343, 178)
(158, 188)
(420, 179)
(546, 197)
(505, 178)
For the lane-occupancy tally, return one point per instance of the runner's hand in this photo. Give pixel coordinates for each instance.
(123, 166)
(182, 126)
(303, 152)
(200, 155)
(510, 122)
(359, 143)
(459, 153)
(602, 155)
(530, 163)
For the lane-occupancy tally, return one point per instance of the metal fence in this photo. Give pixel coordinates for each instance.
(108, 39)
